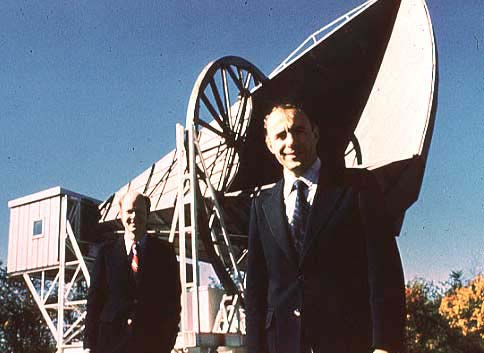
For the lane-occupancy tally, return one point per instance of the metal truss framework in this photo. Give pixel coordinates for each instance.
(320, 35)
(230, 316)
(54, 288)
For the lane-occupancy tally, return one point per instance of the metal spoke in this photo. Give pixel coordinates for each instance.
(226, 95)
(240, 114)
(229, 166)
(211, 128)
(222, 149)
(351, 150)
(221, 181)
(212, 165)
(218, 100)
(241, 74)
(234, 78)
(238, 125)
(247, 81)
(221, 144)
(243, 105)
(212, 111)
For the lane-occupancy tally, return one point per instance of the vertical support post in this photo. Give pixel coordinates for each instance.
(194, 226)
(77, 216)
(42, 282)
(181, 158)
(61, 284)
(77, 251)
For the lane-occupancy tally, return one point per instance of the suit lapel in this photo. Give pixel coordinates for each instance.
(326, 204)
(273, 207)
(120, 259)
(143, 251)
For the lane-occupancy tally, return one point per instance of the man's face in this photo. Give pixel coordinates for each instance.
(134, 215)
(292, 139)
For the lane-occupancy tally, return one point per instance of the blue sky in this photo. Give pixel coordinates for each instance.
(90, 93)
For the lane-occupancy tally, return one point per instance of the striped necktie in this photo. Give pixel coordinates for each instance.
(299, 218)
(134, 260)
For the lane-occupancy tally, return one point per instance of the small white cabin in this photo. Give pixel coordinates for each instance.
(36, 221)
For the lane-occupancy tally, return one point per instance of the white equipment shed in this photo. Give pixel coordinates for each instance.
(49, 233)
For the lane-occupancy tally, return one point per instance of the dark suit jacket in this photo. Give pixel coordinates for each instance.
(151, 299)
(345, 294)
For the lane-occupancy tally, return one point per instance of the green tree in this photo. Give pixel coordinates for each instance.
(22, 328)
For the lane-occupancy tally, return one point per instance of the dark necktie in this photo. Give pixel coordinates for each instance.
(301, 210)
(134, 260)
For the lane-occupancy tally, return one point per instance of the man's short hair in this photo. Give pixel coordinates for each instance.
(287, 106)
(145, 198)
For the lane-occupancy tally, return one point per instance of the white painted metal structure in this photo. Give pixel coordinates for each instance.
(395, 128)
(398, 112)
(50, 260)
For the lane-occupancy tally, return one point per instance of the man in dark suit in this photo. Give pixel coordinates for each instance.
(324, 272)
(133, 303)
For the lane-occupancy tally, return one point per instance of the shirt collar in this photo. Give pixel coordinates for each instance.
(128, 243)
(310, 177)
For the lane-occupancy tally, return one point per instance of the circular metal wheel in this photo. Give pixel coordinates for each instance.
(353, 152)
(219, 112)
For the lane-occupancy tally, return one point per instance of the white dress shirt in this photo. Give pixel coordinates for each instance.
(128, 242)
(310, 178)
